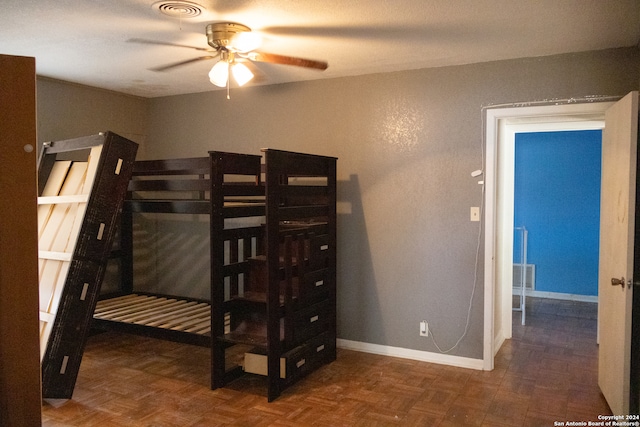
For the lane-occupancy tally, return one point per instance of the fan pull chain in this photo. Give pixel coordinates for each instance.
(182, 12)
(228, 80)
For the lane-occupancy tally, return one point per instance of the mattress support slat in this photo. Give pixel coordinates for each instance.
(158, 312)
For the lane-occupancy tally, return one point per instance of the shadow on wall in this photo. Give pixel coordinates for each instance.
(358, 313)
(171, 254)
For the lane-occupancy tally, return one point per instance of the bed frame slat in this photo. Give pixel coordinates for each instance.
(153, 313)
(123, 312)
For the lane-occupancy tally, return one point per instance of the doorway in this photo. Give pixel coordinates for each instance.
(557, 201)
(502, 124)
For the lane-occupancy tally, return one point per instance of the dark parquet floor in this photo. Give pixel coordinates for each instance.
(547, 373)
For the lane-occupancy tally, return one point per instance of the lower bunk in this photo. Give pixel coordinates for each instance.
(165, 317)
(299, 311)
(159, 316)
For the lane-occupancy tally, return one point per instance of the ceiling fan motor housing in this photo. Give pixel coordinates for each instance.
(219, 34)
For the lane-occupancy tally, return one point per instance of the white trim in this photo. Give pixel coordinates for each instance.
(499, 341)
(562, 296)
(405, 353)
(501, 124)
(489, 340)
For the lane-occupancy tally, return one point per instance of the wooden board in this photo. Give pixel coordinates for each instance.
(52, 188)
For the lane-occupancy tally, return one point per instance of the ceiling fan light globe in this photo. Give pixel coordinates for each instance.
(245, 41)
(219, 74)
(241, 74)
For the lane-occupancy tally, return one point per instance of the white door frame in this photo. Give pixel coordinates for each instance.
(501, 126)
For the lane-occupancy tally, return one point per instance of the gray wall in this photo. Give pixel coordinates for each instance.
(406, 143)
(68, 110)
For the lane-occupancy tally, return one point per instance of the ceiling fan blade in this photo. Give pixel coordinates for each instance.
(287, 60)
(178, 64)
(145, 41)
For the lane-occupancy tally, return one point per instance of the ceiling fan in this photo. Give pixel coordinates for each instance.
(234, 43)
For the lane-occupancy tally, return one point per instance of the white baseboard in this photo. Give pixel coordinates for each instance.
(405, 353)
(558, 295)
(498, 341)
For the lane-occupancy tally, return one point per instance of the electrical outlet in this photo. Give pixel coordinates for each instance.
(424, 329)
(475, 213)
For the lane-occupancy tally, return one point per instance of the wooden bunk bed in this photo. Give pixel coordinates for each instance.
(272, 304)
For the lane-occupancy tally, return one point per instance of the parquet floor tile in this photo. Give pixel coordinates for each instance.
(547, 372)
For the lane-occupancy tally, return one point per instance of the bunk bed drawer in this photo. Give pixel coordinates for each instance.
(293, 363)
(319, 249)
(315, 286)
(256, 363)
(311, 321)
(321, 348)
(297, 362)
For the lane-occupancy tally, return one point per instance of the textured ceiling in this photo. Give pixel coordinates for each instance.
(86, 41)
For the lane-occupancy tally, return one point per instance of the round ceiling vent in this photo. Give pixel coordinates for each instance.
(179, 9)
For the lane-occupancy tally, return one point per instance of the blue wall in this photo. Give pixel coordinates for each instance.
(557, 198)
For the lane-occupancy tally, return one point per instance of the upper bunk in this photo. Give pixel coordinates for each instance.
(184, 186)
